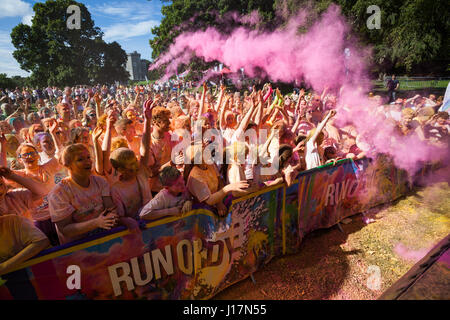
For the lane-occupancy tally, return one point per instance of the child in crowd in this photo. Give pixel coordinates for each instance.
(173, 199)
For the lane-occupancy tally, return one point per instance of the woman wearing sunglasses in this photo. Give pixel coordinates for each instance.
(28, 155)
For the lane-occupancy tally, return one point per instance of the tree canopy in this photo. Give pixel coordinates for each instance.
(57, 55)
(413, 37)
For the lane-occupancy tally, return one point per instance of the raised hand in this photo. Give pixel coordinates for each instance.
(5, 172)
(53, 126)
(97, 133)
(148, 107)
(3, 140)
(97, 98)
(111, 117)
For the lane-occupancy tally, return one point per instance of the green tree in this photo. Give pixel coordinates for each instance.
(192, 15)
(13, 82)
(414, 35)
(56, 55)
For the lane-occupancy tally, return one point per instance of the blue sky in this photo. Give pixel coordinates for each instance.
(127, 22)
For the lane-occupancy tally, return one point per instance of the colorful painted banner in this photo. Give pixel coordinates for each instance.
(197, 255)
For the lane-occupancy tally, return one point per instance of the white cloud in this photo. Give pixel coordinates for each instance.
(121, 31)
(127, 10)
(8, 64)
(15, 8)
(27, 19)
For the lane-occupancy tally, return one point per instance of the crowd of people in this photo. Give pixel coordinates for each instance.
(81, 160)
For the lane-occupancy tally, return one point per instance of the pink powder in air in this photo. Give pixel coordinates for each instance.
(283, 55)
(315, 57)
(411, 255)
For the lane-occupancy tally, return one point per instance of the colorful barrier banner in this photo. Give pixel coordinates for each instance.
(198, 255)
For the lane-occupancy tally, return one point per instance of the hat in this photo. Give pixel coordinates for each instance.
(408, 112)
(424, 114)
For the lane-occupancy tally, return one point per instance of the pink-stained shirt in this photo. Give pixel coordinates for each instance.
(164, 200)
(46, 177)
(162, 150)
(18, 202)
(68, 199)
(131, 196)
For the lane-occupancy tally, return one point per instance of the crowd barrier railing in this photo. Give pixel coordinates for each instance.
(197, 255)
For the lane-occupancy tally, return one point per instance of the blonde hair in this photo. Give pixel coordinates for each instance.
(118, 142)
(101, 121)
(69, 152)
(23, 133)
(180, 122)
(121, 155)
(159, 114)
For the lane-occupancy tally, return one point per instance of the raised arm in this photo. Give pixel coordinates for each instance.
(146, 137)
(324, 93)
(52, 130)
(296, 124)
(222, 113)
(202, 101)
(219, 101)
(246, 119)
(3, 144)
(106, 145)
(260, 110)
(98, 154)
(322, 125)
(288, 119)
(35, 187)
(263, 151)
(86, 105)
(268, 93)
(98, 101)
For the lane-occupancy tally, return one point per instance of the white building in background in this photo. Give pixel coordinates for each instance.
(136, 67)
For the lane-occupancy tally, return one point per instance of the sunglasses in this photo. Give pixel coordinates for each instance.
(27, 155)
